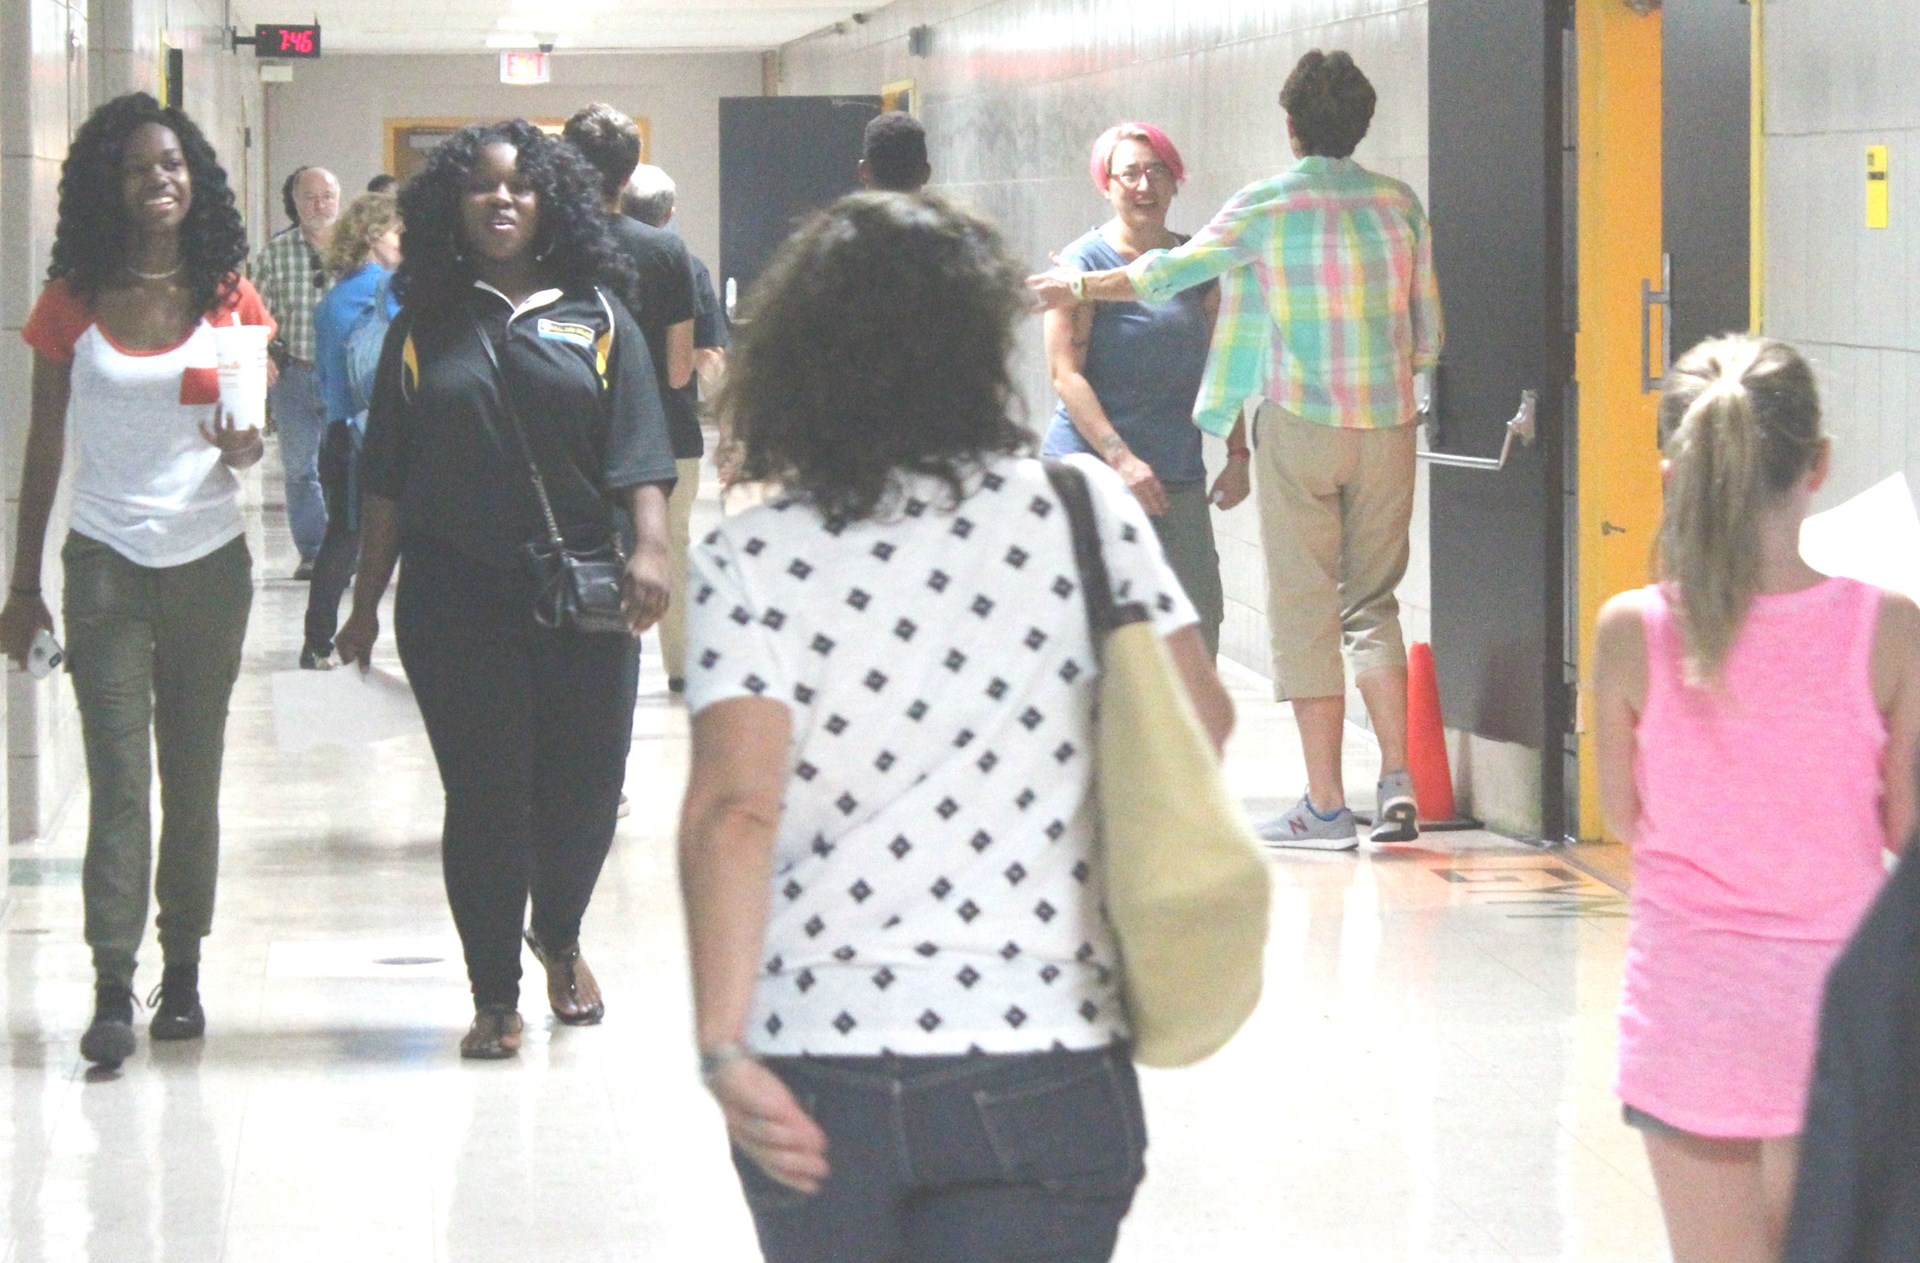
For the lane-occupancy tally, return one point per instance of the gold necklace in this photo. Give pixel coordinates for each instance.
(153, 276)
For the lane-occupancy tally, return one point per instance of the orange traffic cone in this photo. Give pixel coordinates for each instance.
(1427, 746)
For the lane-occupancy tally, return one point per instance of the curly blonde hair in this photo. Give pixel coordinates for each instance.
(367, 218)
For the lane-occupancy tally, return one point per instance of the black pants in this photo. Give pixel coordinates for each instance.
(333, 564)
(530, 729)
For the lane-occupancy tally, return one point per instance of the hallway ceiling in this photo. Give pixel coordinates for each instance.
(464, 26)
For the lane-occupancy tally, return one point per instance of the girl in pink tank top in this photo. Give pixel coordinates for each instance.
(1756, 723)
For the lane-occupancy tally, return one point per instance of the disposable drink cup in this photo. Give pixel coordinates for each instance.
(241, 355)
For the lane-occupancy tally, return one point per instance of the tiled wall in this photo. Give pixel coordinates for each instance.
(1015, 91)
(1838, 80)
(57, 60)
(43, 92)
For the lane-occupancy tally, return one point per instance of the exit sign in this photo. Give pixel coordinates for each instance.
(525, 67)
(278, 39)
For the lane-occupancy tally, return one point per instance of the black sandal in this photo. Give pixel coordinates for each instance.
(571, 989)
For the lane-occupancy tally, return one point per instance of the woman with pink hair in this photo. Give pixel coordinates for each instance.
(1127, 373)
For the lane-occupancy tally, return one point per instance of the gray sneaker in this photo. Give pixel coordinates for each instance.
(1396, 819)
(1305, 830)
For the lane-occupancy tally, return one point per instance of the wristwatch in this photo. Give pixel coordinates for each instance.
(714, 1060)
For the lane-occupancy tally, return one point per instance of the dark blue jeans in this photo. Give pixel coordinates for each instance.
(988, 1158)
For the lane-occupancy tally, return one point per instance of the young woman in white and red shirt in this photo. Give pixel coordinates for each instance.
(158, 581)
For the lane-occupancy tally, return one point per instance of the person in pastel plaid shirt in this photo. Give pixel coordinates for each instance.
(1328, 309)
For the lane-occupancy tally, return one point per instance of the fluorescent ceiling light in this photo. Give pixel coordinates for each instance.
(540, 12)
(527, 39)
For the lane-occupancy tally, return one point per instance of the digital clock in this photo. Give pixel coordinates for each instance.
(278, 39)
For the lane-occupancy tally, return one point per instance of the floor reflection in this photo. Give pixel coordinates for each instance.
(1425, 1080)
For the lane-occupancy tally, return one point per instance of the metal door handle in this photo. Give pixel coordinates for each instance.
(1662, 298)
(1522, 427)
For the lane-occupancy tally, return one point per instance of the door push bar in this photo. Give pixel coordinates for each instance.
(1521, 427)
(1650, 381)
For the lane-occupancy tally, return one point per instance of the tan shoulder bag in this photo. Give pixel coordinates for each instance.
(1186, 884)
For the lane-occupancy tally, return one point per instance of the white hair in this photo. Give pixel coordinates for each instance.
(649, 195)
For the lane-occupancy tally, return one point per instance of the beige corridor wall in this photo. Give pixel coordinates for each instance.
(59, 59)
(334, 112)
(1014, 92)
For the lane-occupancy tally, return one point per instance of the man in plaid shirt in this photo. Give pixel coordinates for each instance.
(1328, 309)
(291, 276)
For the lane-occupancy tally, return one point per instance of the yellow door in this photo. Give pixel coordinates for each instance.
(1619, 236)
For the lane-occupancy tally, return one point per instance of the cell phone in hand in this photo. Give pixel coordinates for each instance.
(45, 657)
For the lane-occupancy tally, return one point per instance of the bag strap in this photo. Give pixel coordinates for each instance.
(552, 524)
(1104, 614)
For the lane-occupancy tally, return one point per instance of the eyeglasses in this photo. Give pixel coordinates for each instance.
(1155, 172)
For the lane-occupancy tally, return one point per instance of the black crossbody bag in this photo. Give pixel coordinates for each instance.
(573, 589)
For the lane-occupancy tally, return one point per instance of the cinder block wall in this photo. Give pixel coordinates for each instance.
(1838, 80)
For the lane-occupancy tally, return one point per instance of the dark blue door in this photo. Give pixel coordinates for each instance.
(1498, 187)
(780, 158)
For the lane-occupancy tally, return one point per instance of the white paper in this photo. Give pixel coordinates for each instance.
(1874, 537)
(342, 707)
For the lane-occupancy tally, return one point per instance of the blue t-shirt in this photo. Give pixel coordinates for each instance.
(1144, 362)
(333, 320)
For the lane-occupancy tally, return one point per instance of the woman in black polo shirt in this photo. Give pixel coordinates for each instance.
(505, 242)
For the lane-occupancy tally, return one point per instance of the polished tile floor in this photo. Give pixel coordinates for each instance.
(1425, 1080)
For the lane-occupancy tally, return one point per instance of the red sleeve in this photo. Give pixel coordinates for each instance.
(245, 300)
(58, 320)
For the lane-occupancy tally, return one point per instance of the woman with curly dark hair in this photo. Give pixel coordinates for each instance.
(158, 580)
(513, 386)
(906, 994)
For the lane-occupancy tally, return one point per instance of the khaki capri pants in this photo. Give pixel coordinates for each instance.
(1335, 507)
(673, 624)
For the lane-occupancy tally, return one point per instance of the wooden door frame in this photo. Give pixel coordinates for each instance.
(392, 128)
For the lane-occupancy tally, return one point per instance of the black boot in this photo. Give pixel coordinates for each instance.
(179, 1015)
(109, 1040)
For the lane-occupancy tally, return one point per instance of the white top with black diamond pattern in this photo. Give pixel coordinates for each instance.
(935, 887)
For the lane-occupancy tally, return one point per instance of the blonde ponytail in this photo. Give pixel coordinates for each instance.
(1740, 418)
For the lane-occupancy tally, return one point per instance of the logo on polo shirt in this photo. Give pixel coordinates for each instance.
(565, 331)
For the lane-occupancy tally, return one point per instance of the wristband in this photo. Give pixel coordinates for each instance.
(17, 590)
(1077, 286)
(718, 1059)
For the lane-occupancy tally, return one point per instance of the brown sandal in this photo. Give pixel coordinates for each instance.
(494, 1035)
(571, 988)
